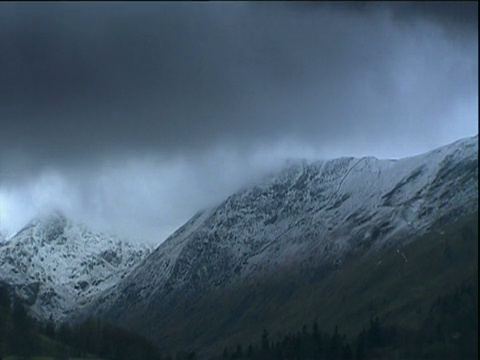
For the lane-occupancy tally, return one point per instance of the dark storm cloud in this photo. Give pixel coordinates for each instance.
(110, 75)
(79, 79)
(87, 89)
(452, 15)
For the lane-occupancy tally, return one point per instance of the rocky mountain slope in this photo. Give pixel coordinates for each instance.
(58, 266)
(308, 220)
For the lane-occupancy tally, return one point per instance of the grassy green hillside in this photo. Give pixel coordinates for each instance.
(399, 287)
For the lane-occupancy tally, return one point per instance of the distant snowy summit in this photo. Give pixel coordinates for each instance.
(58, 266)
(310, 216)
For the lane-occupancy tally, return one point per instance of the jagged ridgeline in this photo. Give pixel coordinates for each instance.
(352, 244)
(339, 241)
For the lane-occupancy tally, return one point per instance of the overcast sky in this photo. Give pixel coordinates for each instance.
(133, 116)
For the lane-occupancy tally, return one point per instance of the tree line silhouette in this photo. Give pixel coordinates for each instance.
(23, 337)
(450, 331)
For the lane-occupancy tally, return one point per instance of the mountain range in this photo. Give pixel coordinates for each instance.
(298, 227)
(330, 240)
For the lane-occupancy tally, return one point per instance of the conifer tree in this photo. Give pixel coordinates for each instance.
(265, 342)
(361, 345)
(250, 352)
(334, 346)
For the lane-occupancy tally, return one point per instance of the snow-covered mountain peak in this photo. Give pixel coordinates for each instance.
(309, 216)
(47, 227)
(57, 265)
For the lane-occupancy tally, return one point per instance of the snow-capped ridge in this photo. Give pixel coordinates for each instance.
(310, 215)
(58, 266)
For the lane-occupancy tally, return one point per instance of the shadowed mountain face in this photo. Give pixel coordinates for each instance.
(233, 268)
(57, 266)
